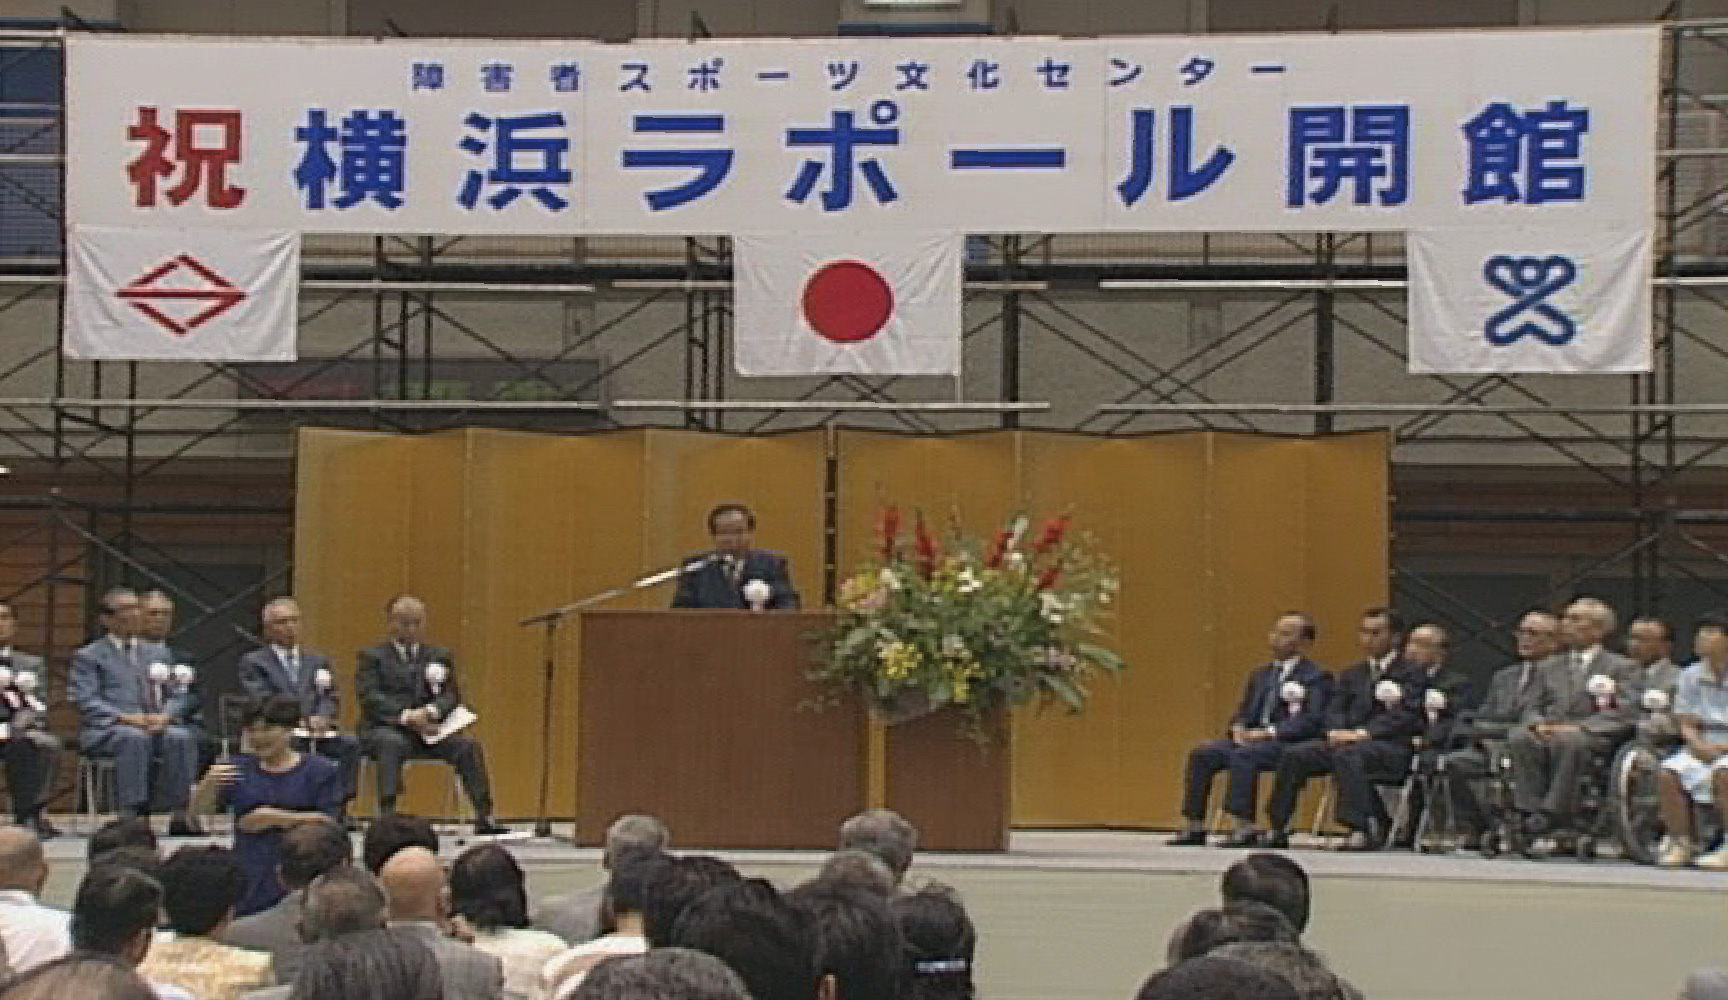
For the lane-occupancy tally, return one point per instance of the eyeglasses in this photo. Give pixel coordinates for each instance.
(1536, 633)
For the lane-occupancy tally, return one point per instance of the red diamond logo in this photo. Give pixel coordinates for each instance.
(155, 286)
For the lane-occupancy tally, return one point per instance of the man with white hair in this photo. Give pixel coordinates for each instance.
(885, 834)
(576, 917)
(1587, 702)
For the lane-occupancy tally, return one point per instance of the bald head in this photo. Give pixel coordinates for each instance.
(22, 864)
(414, 883)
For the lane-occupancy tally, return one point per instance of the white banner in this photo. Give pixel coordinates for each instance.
(164, 294)
(1531, 301)
(1313, 132)
(866, 304)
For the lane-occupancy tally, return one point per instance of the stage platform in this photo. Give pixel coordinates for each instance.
(1085, 914)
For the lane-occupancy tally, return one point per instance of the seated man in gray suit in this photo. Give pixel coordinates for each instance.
(724, 577)
(284, 668)
(125, 713)
(344, 900)
(30, 751)
(1570, 721)
(308, 851)
(420, 906)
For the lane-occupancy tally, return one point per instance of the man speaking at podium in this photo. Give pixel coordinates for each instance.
(734, 575)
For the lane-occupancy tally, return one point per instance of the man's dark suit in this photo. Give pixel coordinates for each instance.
(390, 685)
(716, 585)
(1260, 706)
(1511, 698)
(1354, 767)
(30, 751)
(264, 673)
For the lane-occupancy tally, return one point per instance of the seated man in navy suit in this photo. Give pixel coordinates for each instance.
(725, 576)
(284, 668)
(1283, 703)
(127, 714)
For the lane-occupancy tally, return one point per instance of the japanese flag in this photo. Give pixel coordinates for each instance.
(870, 303)
(182, 294)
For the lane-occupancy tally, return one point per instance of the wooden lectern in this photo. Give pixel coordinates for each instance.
(701, 718)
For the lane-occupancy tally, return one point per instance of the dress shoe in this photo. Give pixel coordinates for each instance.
(1188, 838)
(1371, 839)
(1276, 840)
(1538, 823)
(1241, 839)
(44, 830)
(184, 826)
(485, 827)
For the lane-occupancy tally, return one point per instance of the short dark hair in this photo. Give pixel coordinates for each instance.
(114, 904)
(627, 888)
(1661, 623)
(940, 943)
(1273, 879)
(1215, 979)
(136, 858)
(1711, 619)
(1294, 964)
(731, 506)
(749, 926)
(389, 834)
(200, 888)
(673, 886)
(1245, 921)
(662, 973)
(487, 887)
(858, 869)
(1310, 631)
(276, 710)
(373, 963)
(132, 831)
(1394, 620)
(311, 849)
(858, 940)
(80, 974)
(112, 594)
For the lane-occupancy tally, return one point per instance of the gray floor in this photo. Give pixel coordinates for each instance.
(1086, 915)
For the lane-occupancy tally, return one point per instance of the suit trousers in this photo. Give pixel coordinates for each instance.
(1308, 759)
(393, 746)
(30, 757)
(1545, 772)
(174, 752)
(1244, 762)
(1356, 769)
(1462, 771)
(344, 749)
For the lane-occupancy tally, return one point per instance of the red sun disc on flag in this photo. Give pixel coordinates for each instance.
(847, 301)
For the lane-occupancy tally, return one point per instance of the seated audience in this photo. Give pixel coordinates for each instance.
(308, 851)
(857, 940)
(115, 914)
(763, 938)
(623, 905)
(1215, 979)
(576, 917)
(488, 894)
(419, 900)
(1233, 922)
(80, 976)
(377, 963)
(673, 887)
(388, 834)
(664, 973)
(1273, 879)
(1697, 774)
(343, 900)
(1294, 964)
(940, 944)
(127, 831)
(31, 933)
(858, 870)
(200, 888)
(885, 834)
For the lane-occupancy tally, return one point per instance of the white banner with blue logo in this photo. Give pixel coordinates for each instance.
(1552, 301)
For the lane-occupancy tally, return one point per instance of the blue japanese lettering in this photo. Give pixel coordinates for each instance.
(705, 76)
(1529, 157)
(374, 148)
(1185, 178)
(1366, 146)
(512, 140)
(712, 165)
(842, 137)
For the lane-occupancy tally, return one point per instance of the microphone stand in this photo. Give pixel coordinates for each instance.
(551, 619)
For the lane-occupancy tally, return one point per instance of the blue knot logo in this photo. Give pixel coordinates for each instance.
(1530, 282)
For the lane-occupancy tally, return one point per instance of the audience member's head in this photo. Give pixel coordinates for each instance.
(746, 924)
(200, 888)
(626, 895)
(634, 835)
(1705, 984)
(884, 833)
(857, 940)
(23, 865)
(663, 974)
(672, 886)
(1294, 964)
(389, 834)
(115, 912)
(1215, 979)
(79, 976)
(377, 963)
(488, 888)
(1228, 924)
(857, 870)
(940, 943)
(415, 886)
(132, 831)
(311, 849)
(343, 900)
(1270, 878)
(136, 858)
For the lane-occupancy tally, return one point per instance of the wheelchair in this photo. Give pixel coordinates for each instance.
(1635, 801)
(1605, 805)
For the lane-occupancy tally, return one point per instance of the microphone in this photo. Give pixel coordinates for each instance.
(656, 579)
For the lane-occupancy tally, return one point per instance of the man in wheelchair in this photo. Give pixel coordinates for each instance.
(1698, 773)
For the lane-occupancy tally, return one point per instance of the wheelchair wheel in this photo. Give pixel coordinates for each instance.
(1585, 848)
(1490, 846)
(1634, 802)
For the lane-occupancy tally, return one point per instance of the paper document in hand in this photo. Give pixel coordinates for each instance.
(460, 718)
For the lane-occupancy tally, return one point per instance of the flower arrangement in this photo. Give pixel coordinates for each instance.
(930, 622)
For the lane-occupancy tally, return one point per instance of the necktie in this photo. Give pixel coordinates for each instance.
(293, 661)
(152, 697)
(734, 569)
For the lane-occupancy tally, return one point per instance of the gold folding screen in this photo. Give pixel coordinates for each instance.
(1215, 535)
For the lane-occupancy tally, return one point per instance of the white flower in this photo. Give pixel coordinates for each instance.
(322, 679)
(757, 592)
(26, 681)
(1016, 560)
(967, 581)
(184, 675)
(437, 673)
(159, 673)
(890, 579)
(1387, 692)
(5, 677)
(1600, 686)
(1434, 700)
(1292, 693)
(953, 646)
(1655, 700)
(1051, 607)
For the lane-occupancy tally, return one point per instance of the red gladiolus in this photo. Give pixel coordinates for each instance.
(890, 532)
(1051, 577)
(999, 549)
(1054, 530)
(927, 553)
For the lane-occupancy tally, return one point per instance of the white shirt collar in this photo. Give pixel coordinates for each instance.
(284, 652)
(1588, 654)
(1285, 666)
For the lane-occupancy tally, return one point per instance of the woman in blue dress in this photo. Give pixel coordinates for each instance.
(270, 788)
